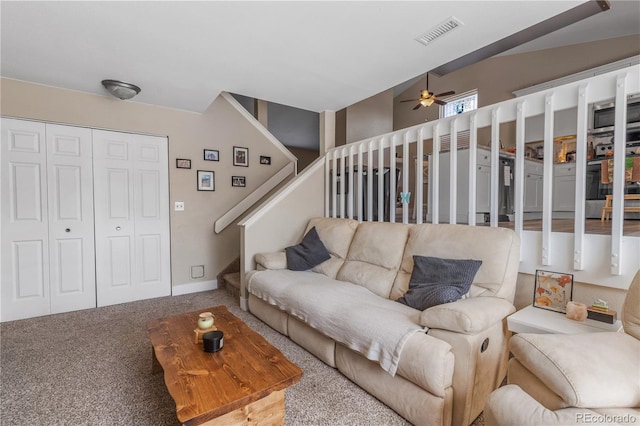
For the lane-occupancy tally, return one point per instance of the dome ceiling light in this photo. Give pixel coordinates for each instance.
(120, 89)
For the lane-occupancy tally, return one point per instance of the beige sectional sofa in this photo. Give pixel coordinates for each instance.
(433, 367)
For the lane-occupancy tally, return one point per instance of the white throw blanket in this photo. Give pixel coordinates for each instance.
(347, 313)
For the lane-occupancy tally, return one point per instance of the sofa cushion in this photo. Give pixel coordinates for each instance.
(435, 281)
(586, 370)
(336, 234)
(375, 255)
(309, 253)
(498, 248)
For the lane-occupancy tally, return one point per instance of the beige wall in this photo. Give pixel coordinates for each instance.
(370, 117)
(193, 241)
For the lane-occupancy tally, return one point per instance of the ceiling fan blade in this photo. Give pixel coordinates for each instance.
(416, 107)
(449, 93)
(439, 102)
(410, 100)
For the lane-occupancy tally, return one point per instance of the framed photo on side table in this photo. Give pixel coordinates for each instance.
(552, 290)
(240, 156)
(206, 180)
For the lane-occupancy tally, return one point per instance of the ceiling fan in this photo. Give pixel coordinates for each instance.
(427, 98)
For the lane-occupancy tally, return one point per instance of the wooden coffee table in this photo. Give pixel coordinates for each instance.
(242, 383)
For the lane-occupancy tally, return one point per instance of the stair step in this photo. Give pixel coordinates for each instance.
(233, 280)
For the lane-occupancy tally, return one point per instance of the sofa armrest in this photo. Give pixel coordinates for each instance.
(511, 406)
(274, 260)
(585, 370)
(468, 316)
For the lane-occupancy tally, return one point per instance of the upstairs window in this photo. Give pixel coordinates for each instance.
(458, 104)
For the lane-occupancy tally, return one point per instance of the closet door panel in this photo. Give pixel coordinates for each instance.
(24, 241)
(132, 217)
(152, 216)
(71, 231)
(113, 201)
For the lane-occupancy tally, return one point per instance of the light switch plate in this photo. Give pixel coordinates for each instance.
(179, 206)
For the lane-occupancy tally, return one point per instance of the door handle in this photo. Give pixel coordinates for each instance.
(117, 228)
(67, 230)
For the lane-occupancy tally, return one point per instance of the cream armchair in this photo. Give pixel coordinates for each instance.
(559, 379)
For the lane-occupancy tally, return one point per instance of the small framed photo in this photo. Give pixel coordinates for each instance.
(240, 181)
(206, 180)
(211, 155)
(240, 156)
(183, 163)
(552, 290)
(265, 160)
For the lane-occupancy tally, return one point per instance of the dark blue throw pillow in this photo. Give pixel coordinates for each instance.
(309, 253)
(435, 281)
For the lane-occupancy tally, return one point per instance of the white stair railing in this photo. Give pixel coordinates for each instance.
(355, 183)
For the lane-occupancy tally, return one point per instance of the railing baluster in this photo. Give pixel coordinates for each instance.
(473, 168)
(581, 169)
(370, 182)
(495, 166)
(418, 200)
(327, 183)
(334, 188)
(350, 177)
(519, 171)
(360, 189)
(392, 179)
(453, 172)
(617, 213)
(343, 180)
(547, 187)
(435, 178)
(405, 177)
(381, 180)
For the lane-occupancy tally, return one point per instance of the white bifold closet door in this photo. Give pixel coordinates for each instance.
(46, 227)
(131, 199)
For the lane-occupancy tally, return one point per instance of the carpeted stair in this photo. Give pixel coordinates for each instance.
(229, 279)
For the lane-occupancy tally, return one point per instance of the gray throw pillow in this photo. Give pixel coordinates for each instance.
(309, 253)
(435, 281)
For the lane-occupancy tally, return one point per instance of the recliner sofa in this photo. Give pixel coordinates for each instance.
(447, 359)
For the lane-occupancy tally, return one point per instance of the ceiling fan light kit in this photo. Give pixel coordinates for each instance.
(120, 89)
(427, 98)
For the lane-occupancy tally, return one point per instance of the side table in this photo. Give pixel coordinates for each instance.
(538, 320)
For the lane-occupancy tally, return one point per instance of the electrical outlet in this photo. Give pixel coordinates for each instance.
(179, 206)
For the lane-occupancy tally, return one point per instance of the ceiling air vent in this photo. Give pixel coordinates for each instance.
(443, 28)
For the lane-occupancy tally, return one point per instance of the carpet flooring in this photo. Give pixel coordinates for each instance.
(93, 367)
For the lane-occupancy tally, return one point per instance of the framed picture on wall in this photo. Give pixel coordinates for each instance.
(211, 155)
(240, 156)
(240, 181)
(206, 180)
(183, 163)
(265, 160)
(552, 290)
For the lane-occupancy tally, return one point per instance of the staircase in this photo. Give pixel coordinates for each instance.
(229, 279)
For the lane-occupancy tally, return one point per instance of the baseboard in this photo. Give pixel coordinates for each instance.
(188, 288)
